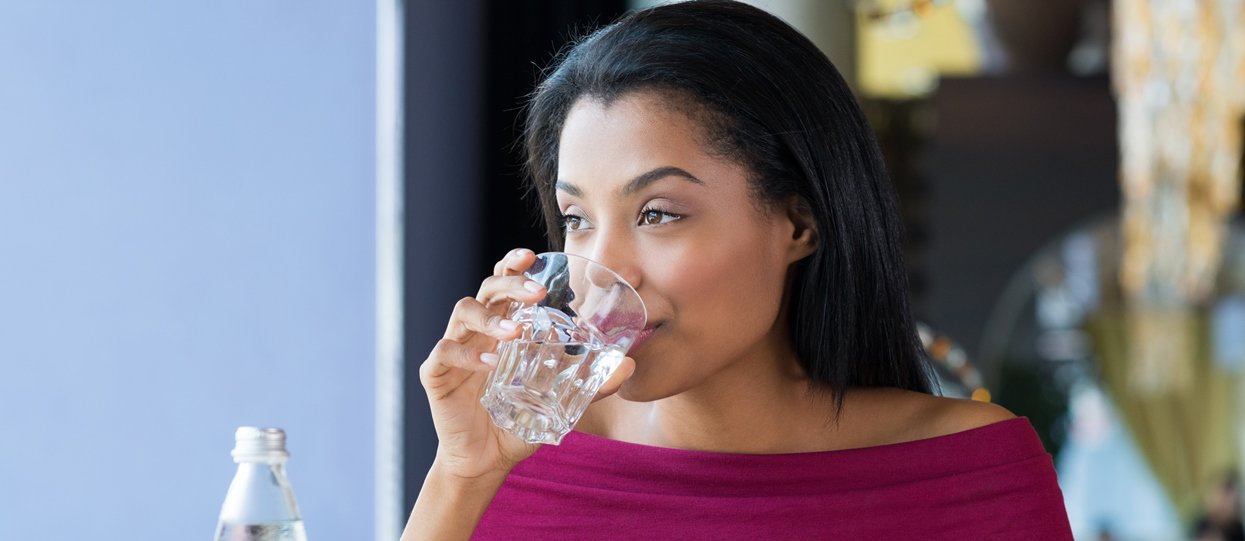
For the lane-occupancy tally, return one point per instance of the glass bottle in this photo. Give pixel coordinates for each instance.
(260, 504)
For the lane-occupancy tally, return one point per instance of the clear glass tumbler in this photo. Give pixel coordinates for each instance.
(572, 342)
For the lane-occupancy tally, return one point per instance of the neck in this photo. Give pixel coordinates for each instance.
(760, 404)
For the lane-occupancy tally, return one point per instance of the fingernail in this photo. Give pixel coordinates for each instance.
(532, 286)
(507, 325)
(522, 252)
(489, 358)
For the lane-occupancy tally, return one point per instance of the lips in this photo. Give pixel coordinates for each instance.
(643, 336)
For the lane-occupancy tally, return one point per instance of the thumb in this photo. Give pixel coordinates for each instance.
(625, 369)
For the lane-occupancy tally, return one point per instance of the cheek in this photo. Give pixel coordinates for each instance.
(724, 293)
(723, 296)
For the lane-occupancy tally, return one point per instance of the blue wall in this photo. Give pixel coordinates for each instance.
(186, 245)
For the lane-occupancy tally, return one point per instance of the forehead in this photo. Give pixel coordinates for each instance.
(610, 143)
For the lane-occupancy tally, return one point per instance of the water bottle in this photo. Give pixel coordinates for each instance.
(260, 504)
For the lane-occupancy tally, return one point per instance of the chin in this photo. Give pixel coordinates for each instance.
(638, 389)
(628, 392)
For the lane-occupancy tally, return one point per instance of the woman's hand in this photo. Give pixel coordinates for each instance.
(471, 446)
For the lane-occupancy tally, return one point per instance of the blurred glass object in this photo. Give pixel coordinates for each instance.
(1134, 463)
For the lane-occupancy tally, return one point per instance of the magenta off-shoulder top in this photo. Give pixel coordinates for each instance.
(992, 482)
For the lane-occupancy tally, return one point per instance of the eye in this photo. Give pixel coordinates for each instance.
(573, 222)
(657, 217)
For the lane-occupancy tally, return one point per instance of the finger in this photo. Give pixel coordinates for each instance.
(515, 262)
(497, 289)
(624, 371)
(448, 355)
(471, 318)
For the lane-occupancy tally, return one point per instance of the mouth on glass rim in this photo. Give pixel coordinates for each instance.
(617, 311)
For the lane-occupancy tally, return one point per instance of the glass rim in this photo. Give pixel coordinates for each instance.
(602, 266)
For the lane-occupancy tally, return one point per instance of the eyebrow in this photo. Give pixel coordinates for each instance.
(638, 183)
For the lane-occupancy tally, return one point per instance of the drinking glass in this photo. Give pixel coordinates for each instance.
(572, 341)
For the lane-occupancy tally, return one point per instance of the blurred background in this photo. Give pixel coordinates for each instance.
(261, 213)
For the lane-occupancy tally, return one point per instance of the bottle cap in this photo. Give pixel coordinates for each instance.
(254, 444)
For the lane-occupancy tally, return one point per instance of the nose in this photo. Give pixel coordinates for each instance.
(620, 258)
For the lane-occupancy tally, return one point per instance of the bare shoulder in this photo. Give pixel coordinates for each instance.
(901, 415)
(950, 415)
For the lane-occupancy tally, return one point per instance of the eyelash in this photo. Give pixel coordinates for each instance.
(674, 217)
(565, 219)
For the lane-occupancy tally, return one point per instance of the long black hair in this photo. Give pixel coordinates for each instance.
(778, 106)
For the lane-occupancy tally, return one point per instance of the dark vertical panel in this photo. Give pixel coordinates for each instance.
(441, 184)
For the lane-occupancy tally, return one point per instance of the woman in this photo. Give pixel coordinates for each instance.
(715, 158)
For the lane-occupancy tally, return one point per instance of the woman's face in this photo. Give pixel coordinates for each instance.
(642, 194)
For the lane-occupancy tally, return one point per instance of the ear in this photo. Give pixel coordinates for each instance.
(803, 238)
